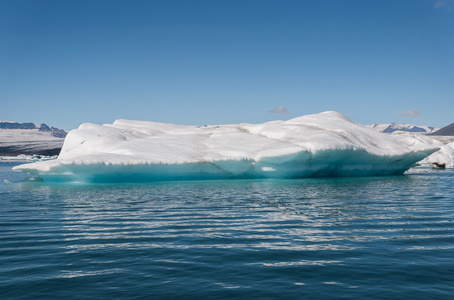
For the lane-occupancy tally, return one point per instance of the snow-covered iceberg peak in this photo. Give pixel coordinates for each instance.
(324, 144)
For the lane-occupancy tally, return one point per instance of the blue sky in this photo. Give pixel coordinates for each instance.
(216, 62)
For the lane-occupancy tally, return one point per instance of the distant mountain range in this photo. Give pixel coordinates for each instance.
(393, 127)
(396, 128)
(60, 133)
(27, 138)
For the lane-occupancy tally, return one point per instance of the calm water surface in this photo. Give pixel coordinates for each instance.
(349, 238)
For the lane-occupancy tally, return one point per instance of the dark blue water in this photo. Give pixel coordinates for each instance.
(349, 238)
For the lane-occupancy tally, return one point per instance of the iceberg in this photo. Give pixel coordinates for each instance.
(320, 145)
(444, 158)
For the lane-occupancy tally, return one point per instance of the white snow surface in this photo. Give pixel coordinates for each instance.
(26, 158)
(28, 141)
(324, 144)
(444, 158)
(17, 136)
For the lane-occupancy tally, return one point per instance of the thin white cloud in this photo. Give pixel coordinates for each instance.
(410, 113)
(281, 110)
(440, 4)
(444, 4)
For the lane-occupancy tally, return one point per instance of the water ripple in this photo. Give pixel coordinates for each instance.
(380, 238)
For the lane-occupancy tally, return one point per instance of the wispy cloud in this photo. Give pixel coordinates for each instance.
(281, 110)
(410, 113)
(445, 4)
(439, 4)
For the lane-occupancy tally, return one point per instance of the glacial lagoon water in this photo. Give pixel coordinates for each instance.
(335, 238)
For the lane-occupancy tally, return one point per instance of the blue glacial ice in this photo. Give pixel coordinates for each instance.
(320, 145)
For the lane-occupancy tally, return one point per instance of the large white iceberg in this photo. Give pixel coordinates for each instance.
(325, 144)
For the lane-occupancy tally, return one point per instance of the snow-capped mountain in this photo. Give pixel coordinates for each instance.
(393, 127)
(27, 138)
(60, 133)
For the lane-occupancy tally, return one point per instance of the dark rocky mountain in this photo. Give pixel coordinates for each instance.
(16, 125)
(447, 131)
(60, 133)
